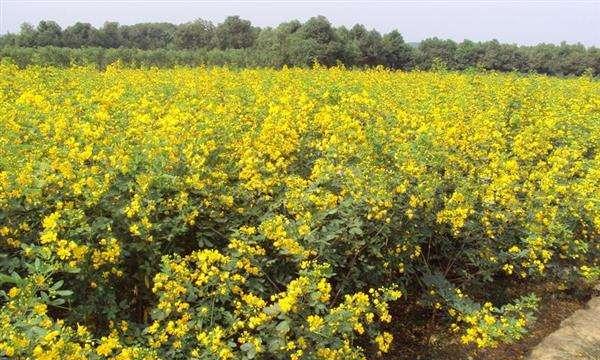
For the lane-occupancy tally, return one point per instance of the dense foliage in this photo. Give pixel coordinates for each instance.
(237, 43)
(218, 214)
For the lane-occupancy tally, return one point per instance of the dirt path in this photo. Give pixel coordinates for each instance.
(577, 338)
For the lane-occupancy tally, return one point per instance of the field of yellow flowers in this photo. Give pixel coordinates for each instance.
(282, 214)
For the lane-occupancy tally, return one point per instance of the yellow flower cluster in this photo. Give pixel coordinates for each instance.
(274, 230)
(65, 250)
(485, 329)
(229, 213)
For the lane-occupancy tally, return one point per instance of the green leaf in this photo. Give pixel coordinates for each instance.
(64, 292)
(283, 327)
(7, 279)
(272, 310)
(57, 285)
(249, 350)
(56, 302)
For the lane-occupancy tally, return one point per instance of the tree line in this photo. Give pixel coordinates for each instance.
(236, 42)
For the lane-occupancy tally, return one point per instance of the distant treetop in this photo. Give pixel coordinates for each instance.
(293, 44)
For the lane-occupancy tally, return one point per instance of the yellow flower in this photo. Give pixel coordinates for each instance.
(13, 292)
(108, 345)
(514, 249)
(383, 341)
(325, 289)
(359, 328)
(315, 323)
(40, 309)
(82, 331)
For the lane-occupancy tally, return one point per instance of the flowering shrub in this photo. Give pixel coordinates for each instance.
(220, 214)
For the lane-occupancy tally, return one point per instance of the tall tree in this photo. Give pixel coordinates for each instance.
(369, 44)
(48, 33)
(26, 36)
(274, 44)
(148, 35)
(235, 33)
(434, 49)
(396, 53)
(573, 59)
(8, 40)
(110, 35)
(80, 35)
(468, 54)
(316, 41)
(194, 35)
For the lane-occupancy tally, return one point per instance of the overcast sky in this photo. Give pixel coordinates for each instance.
(512, 21)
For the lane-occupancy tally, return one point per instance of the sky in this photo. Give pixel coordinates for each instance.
(522, 22)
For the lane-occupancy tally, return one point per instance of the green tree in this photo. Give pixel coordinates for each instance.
(468, 54)
(235, 33)
(194, 35)
(316, 40)
(26, 37)
(80, 35)
(436, 49)
(369, 44)
(542, 59)
(110, 35)
(8, 40)
(48, 33)
(148, 35)
(274, 44)
(396, 53)
(594, 60)
(502, 57)
(572, 59)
